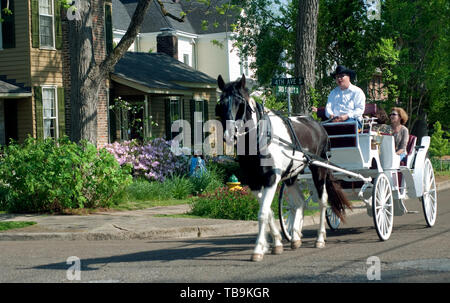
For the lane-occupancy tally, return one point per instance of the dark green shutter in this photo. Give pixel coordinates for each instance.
(8, 28)
(108, 28)
(61, 112)
(205, 111)
(39, 112)
(192, 110)
(167, 116)
(205, 115)
(58, 27)
(35, 23)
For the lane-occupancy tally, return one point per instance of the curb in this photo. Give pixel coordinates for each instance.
(227, 228)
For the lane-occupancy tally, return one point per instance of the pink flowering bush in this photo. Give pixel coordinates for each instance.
(153, 160)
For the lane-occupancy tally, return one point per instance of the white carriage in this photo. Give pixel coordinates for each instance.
(370, 170)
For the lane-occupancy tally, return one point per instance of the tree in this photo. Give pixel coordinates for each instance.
(420, 31)
(87, 75)
(305, 52)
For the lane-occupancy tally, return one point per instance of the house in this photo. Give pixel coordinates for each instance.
(35, 78)
(164, 90)
(208, 49)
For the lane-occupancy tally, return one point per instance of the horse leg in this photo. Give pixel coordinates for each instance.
(322, 233)
(265, 220)
(277, 248)
(297, 202)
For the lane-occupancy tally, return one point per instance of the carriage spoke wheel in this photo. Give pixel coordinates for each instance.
(333, 220)
(286, 213)
(429, 198)
(383, 207)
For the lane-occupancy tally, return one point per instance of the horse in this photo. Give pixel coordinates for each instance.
(275, 161)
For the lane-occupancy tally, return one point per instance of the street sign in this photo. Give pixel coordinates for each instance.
(296, 81)
(286, 89)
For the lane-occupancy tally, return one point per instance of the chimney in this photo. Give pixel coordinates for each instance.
(167, 42)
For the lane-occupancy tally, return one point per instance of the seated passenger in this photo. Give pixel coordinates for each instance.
(382, 119)
(399, 131)
(346, 102)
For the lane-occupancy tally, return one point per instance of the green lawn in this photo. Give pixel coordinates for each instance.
(15, 224)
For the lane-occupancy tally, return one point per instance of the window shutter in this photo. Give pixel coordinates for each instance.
(8, 30)
(38, 112)
(192, 110)
(58, 27)
(108, 29)
(205, 111)
(35, 23)
(167, 116)
(61, 112)
(205, 115)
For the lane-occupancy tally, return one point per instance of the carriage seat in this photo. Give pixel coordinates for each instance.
(409, 151)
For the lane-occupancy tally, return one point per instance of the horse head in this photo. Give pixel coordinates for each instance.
(233, 106)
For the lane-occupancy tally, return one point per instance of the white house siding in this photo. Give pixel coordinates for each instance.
(213, 59)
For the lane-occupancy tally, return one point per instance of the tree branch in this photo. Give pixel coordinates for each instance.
(133, 29)
(166, 13)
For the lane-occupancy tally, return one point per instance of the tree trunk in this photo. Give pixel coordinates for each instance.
(87, 75)
(305, 52)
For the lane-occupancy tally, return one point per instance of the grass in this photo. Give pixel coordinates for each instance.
(142, 204)
(15, 224)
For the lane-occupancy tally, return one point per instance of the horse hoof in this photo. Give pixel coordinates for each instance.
(320, 244)
(277, 250)
(257, 257)
(296, 244)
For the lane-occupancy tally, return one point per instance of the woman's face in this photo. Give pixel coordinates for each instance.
(395, 117)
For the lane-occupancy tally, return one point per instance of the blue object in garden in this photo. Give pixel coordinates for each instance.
(197, 167)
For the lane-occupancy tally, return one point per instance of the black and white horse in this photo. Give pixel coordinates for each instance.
(291, 138)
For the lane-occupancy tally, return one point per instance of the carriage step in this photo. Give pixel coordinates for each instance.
(411, 212)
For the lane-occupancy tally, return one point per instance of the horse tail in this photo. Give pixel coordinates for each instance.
(336, 196)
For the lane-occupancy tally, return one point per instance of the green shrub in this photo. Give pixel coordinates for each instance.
(226, 204)
(207, 182)
(178, 187)
(48, 175)
(144, 190)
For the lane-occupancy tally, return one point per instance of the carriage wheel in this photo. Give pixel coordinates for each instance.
(333, 220)
(383, 207)
(429, 198)
(285, 213)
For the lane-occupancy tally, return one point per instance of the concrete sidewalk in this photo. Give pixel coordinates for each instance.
(138, 224)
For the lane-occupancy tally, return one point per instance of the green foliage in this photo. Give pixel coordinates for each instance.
(273, 102)
(15, 224)
(439, 146)
(50, 176)
(226, 204)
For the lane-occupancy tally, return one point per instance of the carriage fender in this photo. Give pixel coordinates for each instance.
(419, 163)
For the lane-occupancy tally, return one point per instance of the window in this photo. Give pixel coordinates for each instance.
(174, 114)
(50, 112)
(7, 27)
(46, 33)
(186, 59)
(175, 110)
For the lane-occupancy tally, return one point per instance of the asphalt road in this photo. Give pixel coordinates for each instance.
(414, 253)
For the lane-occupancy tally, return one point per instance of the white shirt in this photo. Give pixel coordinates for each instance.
(350, 101)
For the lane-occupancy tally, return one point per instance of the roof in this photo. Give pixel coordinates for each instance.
(9, 89)
(154, 21)
(158, 71)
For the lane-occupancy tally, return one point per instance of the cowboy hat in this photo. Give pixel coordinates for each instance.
(340, 69)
